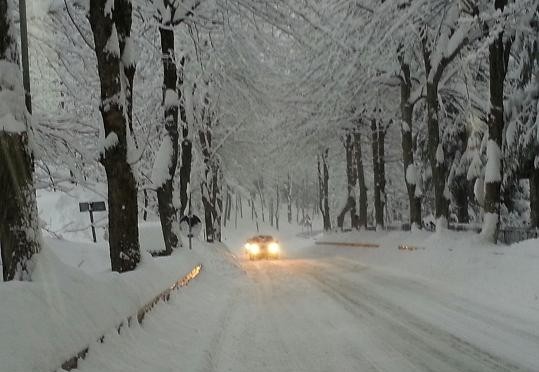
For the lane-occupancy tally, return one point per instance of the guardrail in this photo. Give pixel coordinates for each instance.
(346, 244)
(73, 362)
(514, 235)
(507, 235)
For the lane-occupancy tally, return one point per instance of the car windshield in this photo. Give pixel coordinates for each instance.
(269, 185)
(263, 239)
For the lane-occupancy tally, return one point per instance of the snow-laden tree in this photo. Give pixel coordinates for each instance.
(19, 229)
(111, 26)
(504, 23)
(170, 14)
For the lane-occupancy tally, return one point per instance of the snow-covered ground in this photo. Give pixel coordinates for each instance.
(60, 214)
(501, 276)
(74, 298)
(451, 303)
(327, 308)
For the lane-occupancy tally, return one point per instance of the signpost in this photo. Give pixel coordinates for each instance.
(190, 222)
(92, 207)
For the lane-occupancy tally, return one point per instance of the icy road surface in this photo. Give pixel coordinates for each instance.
(319, 312)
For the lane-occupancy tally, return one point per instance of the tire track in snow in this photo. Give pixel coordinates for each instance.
(478, 323)
(215, 346)
(309, 330)
(427, 346)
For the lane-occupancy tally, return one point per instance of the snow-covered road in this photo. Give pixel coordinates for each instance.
(319, 312)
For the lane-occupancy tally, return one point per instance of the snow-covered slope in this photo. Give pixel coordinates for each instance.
(75, 299)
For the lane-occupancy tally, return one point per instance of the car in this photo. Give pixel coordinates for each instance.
(263, 246)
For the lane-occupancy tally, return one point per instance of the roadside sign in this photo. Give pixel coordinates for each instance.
(92, 207)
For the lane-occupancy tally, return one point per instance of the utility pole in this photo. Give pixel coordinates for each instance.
(24, 55)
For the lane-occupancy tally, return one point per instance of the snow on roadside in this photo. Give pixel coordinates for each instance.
(501, 276)
(69, 305)
(60, 213)
(94, 258)
(178, 335)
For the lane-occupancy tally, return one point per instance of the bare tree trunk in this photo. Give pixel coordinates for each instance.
(271, 212)
(277, 203)
(461, 194)
(122, 19)
(256, 217)
(435, 148)
(534, 176)
(236, 211)
(226, 213)
(259, 187)
(289, 198)
(362, 219)
(351, 177)
(241, 205)
(229, 203)
(410, 171)
(145, 212)
(323, 185)
(187, 145)
(19, 228)
(303, 197)
(534, 198)
(378, 142)
(208, 220)
(122, 189)
(228, 206)
(217, 202)
(167, 212)
(297, 208)
(498, 59)
(458, 181)
(436, 156)
(207, 183)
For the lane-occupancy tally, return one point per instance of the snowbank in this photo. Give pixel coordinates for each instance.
(76, 299)
(461, 262)
(60, 213)
(94, 258)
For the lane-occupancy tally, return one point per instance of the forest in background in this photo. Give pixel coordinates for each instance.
(371, 114)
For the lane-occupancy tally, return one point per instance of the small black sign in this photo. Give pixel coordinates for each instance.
(191, 220)
(93, 206)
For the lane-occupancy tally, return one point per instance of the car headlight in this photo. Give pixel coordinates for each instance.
(274, 248)
(253, 248)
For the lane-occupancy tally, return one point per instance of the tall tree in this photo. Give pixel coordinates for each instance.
(289, 198)
(171, 14)
(323, 184)
(410, 171)
(168, 153)
(19, 229)
(437, 55)
(351, 179)
(499, 51)
(122, 188)
(187, 145)
(212, 178)
(378, 160)
(362, 219)
(123, 21)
